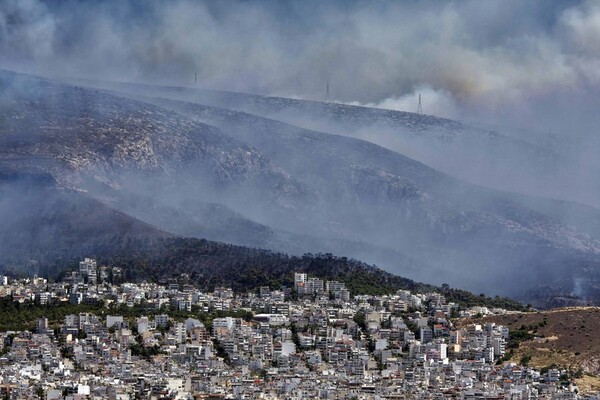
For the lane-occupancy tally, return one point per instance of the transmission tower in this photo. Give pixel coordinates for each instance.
(419, 107)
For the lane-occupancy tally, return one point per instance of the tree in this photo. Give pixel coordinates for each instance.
(295, 337)
(360, 319)
(525, 360)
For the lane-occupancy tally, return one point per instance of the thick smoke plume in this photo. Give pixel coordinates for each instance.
(533, 62)
(504, 64)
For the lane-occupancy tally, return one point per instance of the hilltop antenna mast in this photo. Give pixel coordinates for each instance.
(419, 107)
(327, 99)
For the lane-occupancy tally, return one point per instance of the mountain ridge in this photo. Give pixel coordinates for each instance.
(283, 186)
(487, 157)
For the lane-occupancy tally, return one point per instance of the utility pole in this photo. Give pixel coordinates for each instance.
(419, 107)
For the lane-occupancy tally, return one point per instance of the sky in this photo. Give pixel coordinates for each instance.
(532, 64)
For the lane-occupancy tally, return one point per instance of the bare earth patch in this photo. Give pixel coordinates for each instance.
(566, 338)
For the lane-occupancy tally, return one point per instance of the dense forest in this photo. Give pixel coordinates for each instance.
(210, 264)
(48, 244)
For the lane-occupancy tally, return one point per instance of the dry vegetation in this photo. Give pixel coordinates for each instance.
(566, 337)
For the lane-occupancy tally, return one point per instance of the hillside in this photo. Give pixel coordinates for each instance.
(504, 158)
(47, 230)
(50, 236)
(211, 264)
(84, 137)
(565, 337)
(42, 225)
(369, 181)
(221, 174)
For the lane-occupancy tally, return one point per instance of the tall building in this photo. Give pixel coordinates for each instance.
(161, 320)
(344, 295)
(180, 332)
(88, 270)
(426, 334)
(42, 298)
(42, 325)
(299, 281)
(335, 286)
(314, 286)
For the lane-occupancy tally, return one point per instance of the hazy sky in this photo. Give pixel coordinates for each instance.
(534, 63)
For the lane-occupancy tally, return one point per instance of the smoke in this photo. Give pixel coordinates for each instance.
(433, 102)
(578, 287)
(503, 62)
(492, 60)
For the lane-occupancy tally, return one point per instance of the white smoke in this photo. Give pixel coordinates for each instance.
(494, 59)
(433, 102)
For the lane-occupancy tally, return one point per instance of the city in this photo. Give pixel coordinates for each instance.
(317, 199)
(92, 336)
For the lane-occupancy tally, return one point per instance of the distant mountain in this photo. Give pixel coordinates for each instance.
(495, 234)
(47, 230)
(218, 173)
(153, 164)
(85, 137)
(42, 225)
(503, 158)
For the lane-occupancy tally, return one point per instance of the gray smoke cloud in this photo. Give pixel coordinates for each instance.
(528, 64)
(535, 63)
